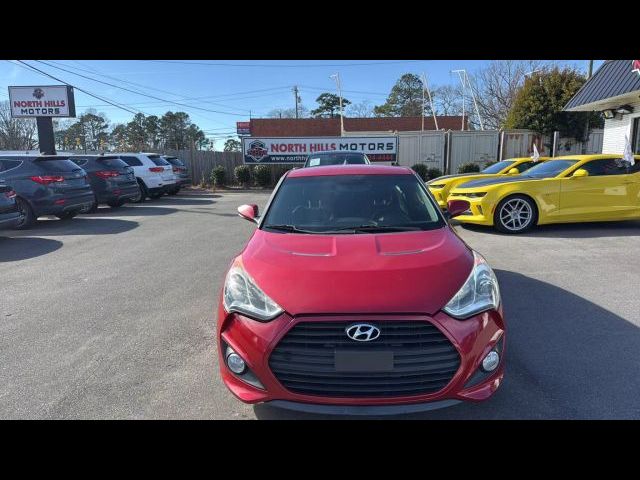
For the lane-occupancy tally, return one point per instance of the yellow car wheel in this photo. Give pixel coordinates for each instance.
(515, 214)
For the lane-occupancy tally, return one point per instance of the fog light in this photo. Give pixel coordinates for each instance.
(236, 363)
(491, 361)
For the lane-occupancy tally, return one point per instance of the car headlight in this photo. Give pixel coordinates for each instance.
(476, 194)
(242, 295)
(480, 292)
(436, 185)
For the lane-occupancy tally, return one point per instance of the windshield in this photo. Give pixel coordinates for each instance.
(174, 161)
(58, 165)
(112, 162)
(347, 203)
(549, 169)
(498, 167)
(336, 159)
(158, 160)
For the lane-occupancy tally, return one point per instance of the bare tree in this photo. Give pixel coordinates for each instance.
(303, 112)
(16, 133)
(447, 99)
(363, 109)
(496, 86)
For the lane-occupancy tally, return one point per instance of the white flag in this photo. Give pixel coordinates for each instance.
(628, 153)
(536, 155)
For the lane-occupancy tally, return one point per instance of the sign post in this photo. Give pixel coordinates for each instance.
(43, 103)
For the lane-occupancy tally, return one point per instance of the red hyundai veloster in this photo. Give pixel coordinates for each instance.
(354, 295)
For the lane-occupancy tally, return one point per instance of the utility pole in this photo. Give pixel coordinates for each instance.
(336, 77)
(590, 69)
(425, 85)
(464, 80)
(295, 92)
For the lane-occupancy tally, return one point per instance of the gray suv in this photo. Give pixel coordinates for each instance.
(46, 185)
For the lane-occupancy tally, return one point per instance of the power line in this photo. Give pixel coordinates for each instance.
(152, 88)
(280, 65)
(143, 94)
(78, 88)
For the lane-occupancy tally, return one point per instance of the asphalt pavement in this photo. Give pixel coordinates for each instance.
(111, 315)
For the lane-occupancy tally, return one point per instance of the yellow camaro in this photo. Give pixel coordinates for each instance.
(577, 188)
(441, 186)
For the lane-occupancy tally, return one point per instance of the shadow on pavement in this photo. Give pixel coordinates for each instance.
(23, 248)
(570, 230)
(198, 195)
(180, 201)
(566, 358)
(130, 210)
(82, 226)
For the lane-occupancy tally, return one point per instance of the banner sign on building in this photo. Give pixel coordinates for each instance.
(295, 149)
(42, 101)
(243, 128)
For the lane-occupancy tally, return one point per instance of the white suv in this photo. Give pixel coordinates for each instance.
(154, 174)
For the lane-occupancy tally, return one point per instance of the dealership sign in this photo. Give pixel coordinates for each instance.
(243, 128)
(42, 101)
(295, 149)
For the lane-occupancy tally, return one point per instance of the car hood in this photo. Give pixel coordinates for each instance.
(408, 272)
(449, 177)
(485, 182)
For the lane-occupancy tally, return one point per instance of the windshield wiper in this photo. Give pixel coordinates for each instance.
(380, 228)
(289, 228)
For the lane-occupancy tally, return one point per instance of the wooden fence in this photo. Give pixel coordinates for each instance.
(201, 163)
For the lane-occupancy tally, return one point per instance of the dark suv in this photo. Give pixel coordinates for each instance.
(10, 216)
(336, 158)
(112, 180)
(46, 185)
(183, 176)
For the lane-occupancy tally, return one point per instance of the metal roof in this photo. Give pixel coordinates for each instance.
(615, 78)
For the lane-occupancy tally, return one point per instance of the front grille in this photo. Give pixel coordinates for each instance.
(424, 360)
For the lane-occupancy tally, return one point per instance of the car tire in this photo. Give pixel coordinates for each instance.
(29, 218)
(515, 214)
(116, 204)
(93, 208)
(68, 215)
(143, 193)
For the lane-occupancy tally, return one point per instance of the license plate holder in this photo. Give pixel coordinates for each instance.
(359, 361)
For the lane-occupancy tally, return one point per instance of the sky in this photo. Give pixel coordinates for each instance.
(218, 93)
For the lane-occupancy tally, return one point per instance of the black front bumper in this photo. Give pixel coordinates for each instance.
(359, 410)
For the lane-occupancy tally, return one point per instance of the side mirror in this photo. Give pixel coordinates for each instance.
(249, 212)
(457, 207)
(513, 171)
(580, 173)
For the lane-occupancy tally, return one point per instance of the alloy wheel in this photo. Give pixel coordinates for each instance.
(516, 214)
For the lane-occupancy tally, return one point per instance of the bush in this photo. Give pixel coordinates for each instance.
(242, 174)
(262, 175)
(434, 173)
(469, 168)
(422, 170)
(218, 176)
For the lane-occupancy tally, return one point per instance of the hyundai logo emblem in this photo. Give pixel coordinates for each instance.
(362, 332)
